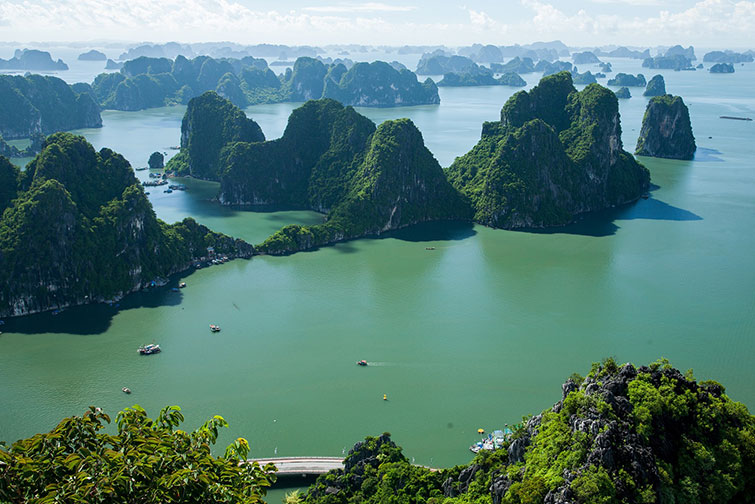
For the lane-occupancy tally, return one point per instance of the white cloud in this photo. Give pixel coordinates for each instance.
(363, 7)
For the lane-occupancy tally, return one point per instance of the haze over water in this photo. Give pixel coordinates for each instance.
(475, 333)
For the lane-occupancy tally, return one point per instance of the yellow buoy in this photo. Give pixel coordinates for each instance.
(385, 397)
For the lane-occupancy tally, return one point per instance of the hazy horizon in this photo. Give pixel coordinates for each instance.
(645, 23)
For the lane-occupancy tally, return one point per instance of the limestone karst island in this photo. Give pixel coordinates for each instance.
(377, 252)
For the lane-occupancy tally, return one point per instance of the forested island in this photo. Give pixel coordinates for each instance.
(370, 180)
(75, 213)
(40, 105)
(154, 82)
(621, 434)
(666, 129)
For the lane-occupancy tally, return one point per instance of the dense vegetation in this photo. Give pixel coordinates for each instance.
(331, 159)
(656, 86)
(38, 105)
(517, 65)
(74, 213)
(623, 93)
(210, 122)
(666, 129)
(144, 461)
(439, 63)
(555, 153)
(619, 435)
(153, 82)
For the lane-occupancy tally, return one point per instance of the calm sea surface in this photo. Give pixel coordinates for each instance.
(475, 333)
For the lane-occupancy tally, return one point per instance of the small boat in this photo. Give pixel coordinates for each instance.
(182, 285)
(149, 349)
(174, 289)
(361, 362)
(214, 328)
(126, 390)
(429, 248)
(385, 397)
(168, 191)
(735, 118)
(141, 168)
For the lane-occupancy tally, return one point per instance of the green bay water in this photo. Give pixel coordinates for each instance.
(475, 333)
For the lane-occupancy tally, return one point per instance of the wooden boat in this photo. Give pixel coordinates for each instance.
(361, 362)
(149, 349)
(126, 390)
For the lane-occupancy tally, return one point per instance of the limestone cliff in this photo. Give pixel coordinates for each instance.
(666, 130)
(555, 153)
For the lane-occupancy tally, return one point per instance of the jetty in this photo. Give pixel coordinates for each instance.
(304, 466)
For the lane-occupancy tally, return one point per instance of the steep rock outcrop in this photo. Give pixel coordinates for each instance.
(656, 86)
(555, 153)
(666, 130)
(722, 68)
(40, 105)
(210, 122)
(77, 213)
(628, 80)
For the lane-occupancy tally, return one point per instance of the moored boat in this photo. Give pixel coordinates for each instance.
(126, 390)
(214, 328)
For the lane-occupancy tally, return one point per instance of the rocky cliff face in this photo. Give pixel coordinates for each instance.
(555, 153)
(211, 122)
(39, 105)
(666, 130)
(79, 213)
(656, 86)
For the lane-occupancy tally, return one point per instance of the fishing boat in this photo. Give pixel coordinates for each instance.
(149, 349)
(126, 390)
(361, 362)
(214, 328)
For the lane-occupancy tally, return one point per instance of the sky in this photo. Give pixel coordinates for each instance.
(703, 23)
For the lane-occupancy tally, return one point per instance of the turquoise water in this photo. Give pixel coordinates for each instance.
(475, 333)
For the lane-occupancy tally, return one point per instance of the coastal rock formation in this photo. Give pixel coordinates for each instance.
(9, 151)
(153, 82)
(210, 122)
(666, 130)
(620, 435)
(675, 62)
(112, 65)
(438, 64)
(40, 105)
(727, 57)
(623, 52)
(722, 68)
(32, 60)
(585, 58)
(678, 50)
(555, 153)
(628, 80)
(156, 161)
(75, 213)
(623, 93)
(331, 159)
(482, 78)
(377, 84)
(550, 68)
(583, 79)
(517, 65)
(656, 86)
(93, 55)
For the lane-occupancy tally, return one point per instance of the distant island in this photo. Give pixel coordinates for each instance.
(623, 93)
(656, 86)
(153, 82)
(666, 129)
(438, 63)
(673, 62)
(40, 105)
(727, 57)
(628, 80)
(74, 213)
(481, 78)
(722, 68)
(517, 65)
(585, 58)
(623, 52)
(93, 55)
(32, 60)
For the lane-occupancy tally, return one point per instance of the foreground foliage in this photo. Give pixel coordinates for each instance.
(619, 435)
(145, 461)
